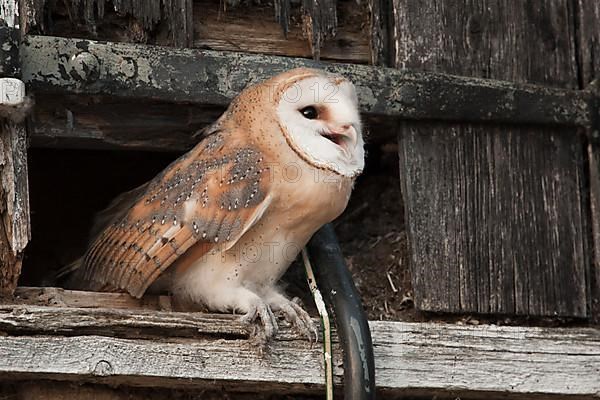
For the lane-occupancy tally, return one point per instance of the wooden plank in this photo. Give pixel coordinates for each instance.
(594, 179)
(180, 17)
(496, 215)
(411, 358)
(588, 45)
(472, 195)
(252, 28)
(15, 230)
(118, 322)
(587, 15)
(381, 31)
(58, 297)
(104, 122)
(214, 78)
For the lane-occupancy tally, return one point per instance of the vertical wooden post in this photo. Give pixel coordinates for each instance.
(497, 215)
(594, 178)
(588, 42)
(381, 32)
(14, 191)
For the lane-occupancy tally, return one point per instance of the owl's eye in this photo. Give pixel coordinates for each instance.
(309, 112)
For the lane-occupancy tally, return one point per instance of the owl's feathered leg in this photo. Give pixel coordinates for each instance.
(293, 313)
(226, 296)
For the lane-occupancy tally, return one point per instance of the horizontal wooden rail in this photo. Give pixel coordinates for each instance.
(214, 78)
(202, 351)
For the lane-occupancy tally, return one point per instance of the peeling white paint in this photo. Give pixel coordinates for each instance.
(9, 12)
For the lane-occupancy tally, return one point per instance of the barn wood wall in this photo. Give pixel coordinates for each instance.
(554, 45)
(498, 216)
(587, 14)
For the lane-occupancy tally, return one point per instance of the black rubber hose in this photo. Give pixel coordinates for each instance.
(339, 293)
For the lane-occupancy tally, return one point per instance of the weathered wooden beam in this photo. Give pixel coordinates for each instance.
(204, 351)
(117, 322)
(15, 230)
(104, 122)
(209, 77)
(59, 297)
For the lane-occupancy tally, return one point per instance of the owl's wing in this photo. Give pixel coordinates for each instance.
(208, 197)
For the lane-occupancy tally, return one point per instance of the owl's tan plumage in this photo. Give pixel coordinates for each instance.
(199, 223)
(223, 175)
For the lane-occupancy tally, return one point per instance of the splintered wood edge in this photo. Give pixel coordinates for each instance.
(196, 350)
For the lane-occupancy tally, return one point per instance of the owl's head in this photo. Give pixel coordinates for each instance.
(318, 115)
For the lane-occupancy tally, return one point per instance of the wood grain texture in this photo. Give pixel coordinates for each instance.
(117, 322)
(498, 224)
(58, 297)
(216, 77)
(587, 21)
(15, 230)
(496, 214)
(381, 31)
(594, 181)
(530, 42)
(104, 122)
(411, 358)
(253, 29)
(588, 30)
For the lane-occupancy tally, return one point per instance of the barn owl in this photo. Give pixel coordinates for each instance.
(221, 224)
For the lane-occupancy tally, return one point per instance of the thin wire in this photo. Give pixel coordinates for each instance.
(312, 284)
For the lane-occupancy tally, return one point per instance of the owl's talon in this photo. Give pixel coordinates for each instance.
(299, 319)
(267, 319)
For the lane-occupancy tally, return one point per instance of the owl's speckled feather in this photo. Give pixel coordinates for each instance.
(206, 196)
(221, 224)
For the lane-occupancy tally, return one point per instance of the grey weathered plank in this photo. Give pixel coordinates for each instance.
(588, 31)
(496, 215)
(411, 358)
(210, 77)
(59, 297)
(117, 322)
(594, 181)
(15, 230)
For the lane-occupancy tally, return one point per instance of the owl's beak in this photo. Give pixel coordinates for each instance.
(345, 136)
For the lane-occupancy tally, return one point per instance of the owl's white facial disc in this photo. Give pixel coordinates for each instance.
(320, 119)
